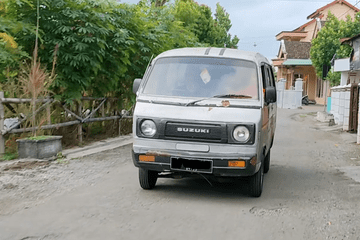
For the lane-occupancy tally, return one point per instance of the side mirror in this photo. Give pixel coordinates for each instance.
(270, 94)
(136, 85)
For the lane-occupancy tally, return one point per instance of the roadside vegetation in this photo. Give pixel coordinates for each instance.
(102, 45)
(95, 48)
(327, 43)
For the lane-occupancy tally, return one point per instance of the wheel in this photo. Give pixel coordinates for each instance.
(147, 178)
(256, 183)
(267, 163)
(272, 142)
(305, 101)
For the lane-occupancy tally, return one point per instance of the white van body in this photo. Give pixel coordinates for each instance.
(209, 111)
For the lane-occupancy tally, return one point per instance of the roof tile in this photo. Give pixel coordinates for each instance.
(297, 50)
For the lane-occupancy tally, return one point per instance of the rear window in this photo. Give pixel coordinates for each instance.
(202, 77)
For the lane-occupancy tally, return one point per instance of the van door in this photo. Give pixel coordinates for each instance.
(272, 106)
(269, 114)
(265, 131)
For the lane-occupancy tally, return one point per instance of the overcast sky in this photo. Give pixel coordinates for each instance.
(257, 22)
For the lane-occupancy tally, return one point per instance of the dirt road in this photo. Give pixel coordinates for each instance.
(306, 195)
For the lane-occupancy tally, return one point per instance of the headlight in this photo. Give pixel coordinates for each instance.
(148, 128)
(241, 134)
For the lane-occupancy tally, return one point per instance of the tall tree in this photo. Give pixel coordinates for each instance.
(327, 43)
(224, 24)
(11, 53)
(198, 19)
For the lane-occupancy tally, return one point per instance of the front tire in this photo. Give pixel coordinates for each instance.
(267, 163)
(147, 178)
(256, 183)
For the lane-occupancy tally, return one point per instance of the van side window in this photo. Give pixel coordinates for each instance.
(264, 76)
(271, 76)
(267, 79)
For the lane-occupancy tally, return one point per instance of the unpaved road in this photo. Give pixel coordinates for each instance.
(305, 195)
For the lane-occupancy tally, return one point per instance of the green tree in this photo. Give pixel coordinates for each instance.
(10, 52)
(327, 43)
(209, 31)
(102, 45)
(224, 24)
(334, 78)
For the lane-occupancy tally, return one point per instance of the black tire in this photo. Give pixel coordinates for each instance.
(147, 178)
(267, 163)
(256, 183)
(305, 101)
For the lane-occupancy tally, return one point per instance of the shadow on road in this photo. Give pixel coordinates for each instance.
(282, 182)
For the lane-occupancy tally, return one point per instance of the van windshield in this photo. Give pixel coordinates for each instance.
(203, 77)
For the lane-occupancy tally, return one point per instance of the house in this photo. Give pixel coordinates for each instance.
(293, 59)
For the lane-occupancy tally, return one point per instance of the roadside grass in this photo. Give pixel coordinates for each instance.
(8, 156)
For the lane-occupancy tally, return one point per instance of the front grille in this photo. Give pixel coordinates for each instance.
(190, 131)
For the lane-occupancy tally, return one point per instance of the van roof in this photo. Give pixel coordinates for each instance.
(215, 52)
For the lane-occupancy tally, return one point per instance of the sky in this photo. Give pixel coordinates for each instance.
(257, 22)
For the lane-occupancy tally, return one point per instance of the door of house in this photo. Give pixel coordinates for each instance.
(354, 107)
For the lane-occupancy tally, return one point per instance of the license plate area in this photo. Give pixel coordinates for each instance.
(191, 165)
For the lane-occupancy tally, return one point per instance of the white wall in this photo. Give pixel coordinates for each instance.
(340, 105)
(289, 98)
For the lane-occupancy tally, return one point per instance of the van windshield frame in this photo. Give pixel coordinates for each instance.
(202, 77)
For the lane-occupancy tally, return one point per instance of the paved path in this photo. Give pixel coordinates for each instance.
(306, 196)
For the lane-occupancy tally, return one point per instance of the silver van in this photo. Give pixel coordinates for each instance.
(205, 111)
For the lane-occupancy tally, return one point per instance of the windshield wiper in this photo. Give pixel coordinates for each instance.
(232, 96)
(192, 103)
(160, 102)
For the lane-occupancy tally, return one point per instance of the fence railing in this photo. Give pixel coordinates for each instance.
(46, 106)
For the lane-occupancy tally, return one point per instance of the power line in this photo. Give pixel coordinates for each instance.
(350, 9)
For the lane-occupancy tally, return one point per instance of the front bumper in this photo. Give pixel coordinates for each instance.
(219, 167)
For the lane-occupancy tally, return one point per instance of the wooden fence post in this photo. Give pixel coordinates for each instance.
(80, 130)
(2, 116)
(48, 114)
(103, 113)
(120, 126)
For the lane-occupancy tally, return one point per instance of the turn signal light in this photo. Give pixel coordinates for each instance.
(145, 158)
(253, 161)
(236, 164)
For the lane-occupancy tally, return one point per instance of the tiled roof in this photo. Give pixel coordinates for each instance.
(330, 4)
(301, 28)
(297, 50)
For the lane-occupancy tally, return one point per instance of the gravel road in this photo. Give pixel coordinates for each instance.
(309, 193)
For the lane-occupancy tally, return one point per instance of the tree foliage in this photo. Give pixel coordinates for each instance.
(334, 78)
(209, 31)
(327, 43)
(102, 44)
(10, 51)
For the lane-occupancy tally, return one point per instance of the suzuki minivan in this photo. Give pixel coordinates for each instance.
(205, 111)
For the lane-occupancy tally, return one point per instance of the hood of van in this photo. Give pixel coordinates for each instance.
(225, 112)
